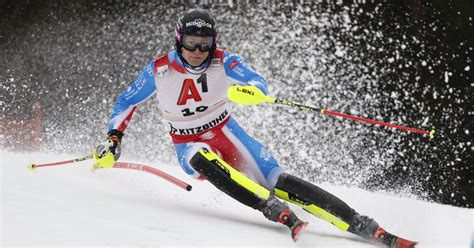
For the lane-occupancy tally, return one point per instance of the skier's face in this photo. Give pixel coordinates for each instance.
(196, 48)
(195, 57)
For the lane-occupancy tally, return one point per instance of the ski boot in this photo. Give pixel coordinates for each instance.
(297, 226)
(277, 211)
(367, 228)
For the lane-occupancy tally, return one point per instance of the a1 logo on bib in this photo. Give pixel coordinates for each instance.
(190, 91)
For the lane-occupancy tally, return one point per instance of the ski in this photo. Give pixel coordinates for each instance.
(391, 240)
(297, 229)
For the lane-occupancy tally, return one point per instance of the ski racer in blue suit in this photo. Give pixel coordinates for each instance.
(191, 85)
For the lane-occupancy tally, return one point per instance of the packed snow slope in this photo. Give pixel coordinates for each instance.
(71, 206)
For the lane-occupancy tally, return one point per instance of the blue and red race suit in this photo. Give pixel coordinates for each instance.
(194, 103)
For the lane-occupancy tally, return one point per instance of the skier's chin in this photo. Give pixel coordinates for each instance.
(194, 58)
(195, 61)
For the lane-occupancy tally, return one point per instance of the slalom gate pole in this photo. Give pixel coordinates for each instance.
(156, 172)
(252, 95)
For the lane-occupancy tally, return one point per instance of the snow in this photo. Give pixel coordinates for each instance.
(82, 54)
(69, 205)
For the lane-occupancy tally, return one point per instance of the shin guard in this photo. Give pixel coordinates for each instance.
(314, 200)
(229, 180)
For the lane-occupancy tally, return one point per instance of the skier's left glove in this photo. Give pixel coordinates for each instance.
(108, 152)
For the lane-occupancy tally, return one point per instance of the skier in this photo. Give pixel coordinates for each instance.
(191, 84)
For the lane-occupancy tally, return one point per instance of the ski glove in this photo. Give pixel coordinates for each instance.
(107, 153)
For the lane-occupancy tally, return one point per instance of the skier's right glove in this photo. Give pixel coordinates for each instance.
(107, 153)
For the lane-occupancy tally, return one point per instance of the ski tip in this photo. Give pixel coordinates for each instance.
(404, 243)
(31, 166)
(391, 240)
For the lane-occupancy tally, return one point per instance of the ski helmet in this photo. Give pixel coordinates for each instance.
(196, 22)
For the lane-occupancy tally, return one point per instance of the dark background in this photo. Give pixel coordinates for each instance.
(403, 62)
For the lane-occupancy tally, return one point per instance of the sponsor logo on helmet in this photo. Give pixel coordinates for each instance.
(198, 23)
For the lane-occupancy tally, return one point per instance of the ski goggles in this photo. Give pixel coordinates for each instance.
(191, 42)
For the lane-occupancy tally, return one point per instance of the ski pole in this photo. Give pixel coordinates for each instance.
(252, 95)
(123, 165)
(32, 166)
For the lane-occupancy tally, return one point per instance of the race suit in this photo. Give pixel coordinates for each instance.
(194, 103)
